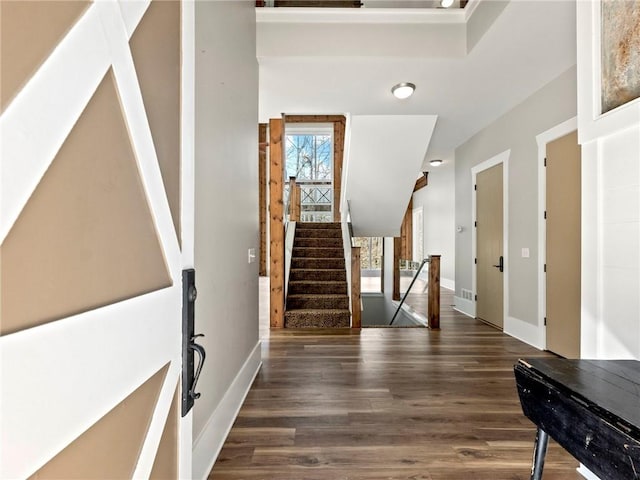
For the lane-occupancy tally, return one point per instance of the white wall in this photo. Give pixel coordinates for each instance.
(226, 217)
(516, 130)
(437, 200)
(610, 208)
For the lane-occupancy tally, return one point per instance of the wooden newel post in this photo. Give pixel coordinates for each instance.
(433, 305)
(294, 201)
(397, 245)
(356, 313)
(276, 225)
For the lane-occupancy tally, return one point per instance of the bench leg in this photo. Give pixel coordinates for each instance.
(539, 452)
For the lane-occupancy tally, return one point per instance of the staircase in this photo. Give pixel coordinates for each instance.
(317, 294)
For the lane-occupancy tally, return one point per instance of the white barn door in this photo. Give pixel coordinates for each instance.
(95, 189)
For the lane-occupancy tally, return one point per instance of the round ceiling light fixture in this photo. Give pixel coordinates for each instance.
(436, 162)
(403, 90)
(446, 3)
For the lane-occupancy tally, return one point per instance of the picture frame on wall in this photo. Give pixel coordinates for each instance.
(601, 35)
(620, 53)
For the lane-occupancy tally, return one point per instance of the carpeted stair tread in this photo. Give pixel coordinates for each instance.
(318, 301)
(317, 318)
(318, 242)
(329, 311)
(318, 252)
(319, 225)
(311, 262)
(301, 286)
(317, 274)
(317, 233)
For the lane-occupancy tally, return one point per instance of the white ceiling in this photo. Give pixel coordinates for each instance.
(529, 44)
(469, 65)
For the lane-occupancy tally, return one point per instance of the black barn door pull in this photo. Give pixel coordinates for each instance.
(190, 374)
(199, 349)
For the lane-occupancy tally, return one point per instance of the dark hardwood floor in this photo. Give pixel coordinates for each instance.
(387, 404)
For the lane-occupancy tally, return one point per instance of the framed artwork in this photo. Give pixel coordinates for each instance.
(620, 52)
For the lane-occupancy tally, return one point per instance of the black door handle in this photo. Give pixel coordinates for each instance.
(199, 349)
(500, 265)
(190, 370)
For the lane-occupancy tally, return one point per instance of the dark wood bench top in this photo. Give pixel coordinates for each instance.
(610, 388)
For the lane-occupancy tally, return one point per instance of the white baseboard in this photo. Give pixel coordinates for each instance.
(207, 446)
(465, 306)
(524, 331)
(586, 473)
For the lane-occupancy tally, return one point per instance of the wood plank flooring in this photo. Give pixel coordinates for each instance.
(387, 404)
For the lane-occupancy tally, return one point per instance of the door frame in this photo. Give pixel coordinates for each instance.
(542, 140)
(501, 158)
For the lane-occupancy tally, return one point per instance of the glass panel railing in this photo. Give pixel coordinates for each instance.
(408, 269)
(415, 269)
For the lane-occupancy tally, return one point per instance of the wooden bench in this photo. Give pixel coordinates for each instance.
(590, 407)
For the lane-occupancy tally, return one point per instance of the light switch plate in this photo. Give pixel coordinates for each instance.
(251, 257)
(525, 253)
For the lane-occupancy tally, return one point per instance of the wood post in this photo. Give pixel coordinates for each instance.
(433, 305)
(262, 196)
(294, 200)
(356, 312)
(397, 246)
(276, 211)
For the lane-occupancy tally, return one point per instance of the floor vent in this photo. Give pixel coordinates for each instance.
(467, 294)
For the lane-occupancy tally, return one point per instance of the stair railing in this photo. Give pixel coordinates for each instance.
(433, 297)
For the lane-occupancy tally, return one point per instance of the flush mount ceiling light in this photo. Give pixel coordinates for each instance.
(446, 3)
(435, 163)
(403, 90)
